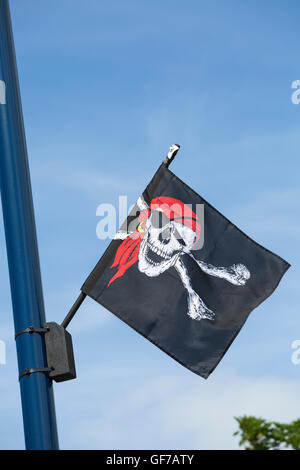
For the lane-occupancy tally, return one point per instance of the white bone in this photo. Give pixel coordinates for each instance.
(141, 203)
(121, 235)
(236, 274)
(197, 309)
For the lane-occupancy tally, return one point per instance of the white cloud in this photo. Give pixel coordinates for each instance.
(206, 412)
(117, 410)
(79, 177)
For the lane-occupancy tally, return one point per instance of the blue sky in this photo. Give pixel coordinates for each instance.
(106, 88)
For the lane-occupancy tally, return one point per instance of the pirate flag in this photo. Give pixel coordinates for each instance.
(183, 275)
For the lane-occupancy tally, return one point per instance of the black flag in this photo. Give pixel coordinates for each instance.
(183, 275)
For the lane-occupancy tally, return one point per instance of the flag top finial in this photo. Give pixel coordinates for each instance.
(172, 153)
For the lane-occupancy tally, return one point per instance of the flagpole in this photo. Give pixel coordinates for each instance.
(22, 252)
(73, 310)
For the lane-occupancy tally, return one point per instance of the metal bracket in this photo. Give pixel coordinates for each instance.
(59, 352)
(32, 371)
(31, 330)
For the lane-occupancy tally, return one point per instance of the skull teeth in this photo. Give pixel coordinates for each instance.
(155, 256)
(158, 251)
(152, 262)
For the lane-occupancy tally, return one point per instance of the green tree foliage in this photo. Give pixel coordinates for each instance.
(259, 434)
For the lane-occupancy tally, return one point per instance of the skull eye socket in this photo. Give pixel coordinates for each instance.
(159, 219)
(184, 235)
(179, 238)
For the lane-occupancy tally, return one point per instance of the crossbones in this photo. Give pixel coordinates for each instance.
(161, 249)
(163, 245)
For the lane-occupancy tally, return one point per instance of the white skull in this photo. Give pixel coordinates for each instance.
(163, 244)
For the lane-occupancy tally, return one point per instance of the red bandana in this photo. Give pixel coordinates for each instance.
(128, 251)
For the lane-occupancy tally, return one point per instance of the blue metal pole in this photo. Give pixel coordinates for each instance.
(22, 251)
